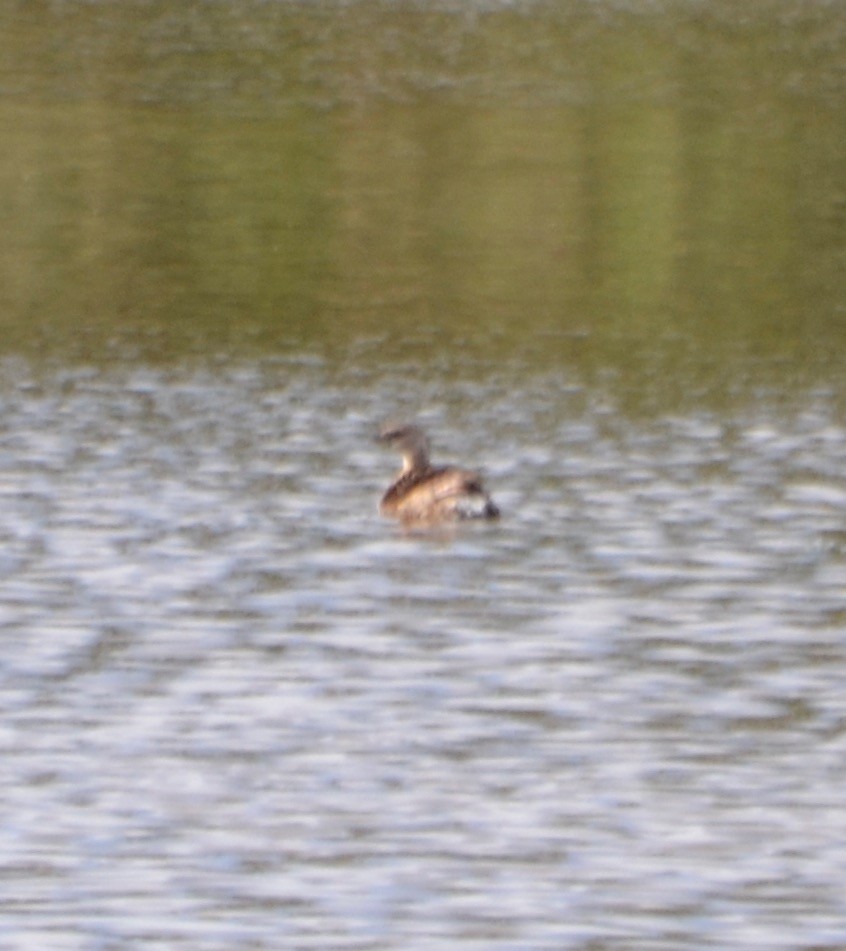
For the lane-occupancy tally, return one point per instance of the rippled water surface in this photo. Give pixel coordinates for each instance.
(240, 710)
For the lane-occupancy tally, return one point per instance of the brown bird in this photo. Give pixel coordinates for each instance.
(426, 493)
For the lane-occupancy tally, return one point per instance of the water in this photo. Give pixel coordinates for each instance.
(596, 249)
(239, 709)
(577, 179)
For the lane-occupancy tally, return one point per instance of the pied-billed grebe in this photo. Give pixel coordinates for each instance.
(426, 493)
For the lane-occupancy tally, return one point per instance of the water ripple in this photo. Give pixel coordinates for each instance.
(239, 709)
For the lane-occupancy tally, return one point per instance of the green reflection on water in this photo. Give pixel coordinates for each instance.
(622, 193)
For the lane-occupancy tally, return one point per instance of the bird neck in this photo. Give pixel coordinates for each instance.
(414, 460)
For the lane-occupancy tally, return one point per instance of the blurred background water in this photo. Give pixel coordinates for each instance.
(598, 250)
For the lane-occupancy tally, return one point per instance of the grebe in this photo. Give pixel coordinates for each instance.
(426, 493)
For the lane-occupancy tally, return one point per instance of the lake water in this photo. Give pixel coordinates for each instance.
(240, 710)
(598, 251)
